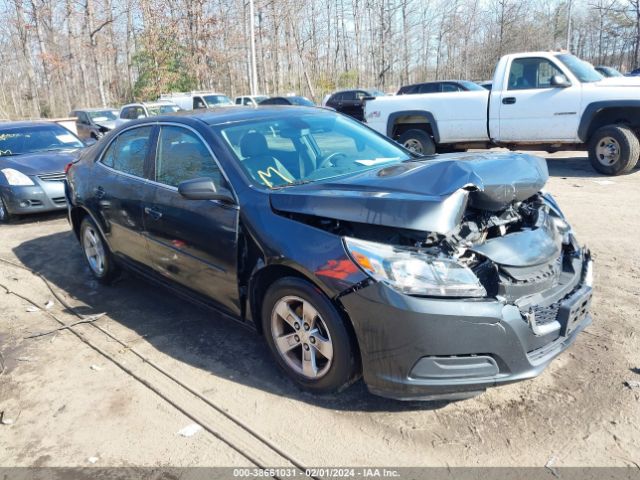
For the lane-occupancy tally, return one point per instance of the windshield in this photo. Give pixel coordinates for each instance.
(582, 70)
(305, 102)
(609, 72)
(306, 148)
(217, 100)
(162, 109)
(103, 115)
(38, 138)
(471, 86)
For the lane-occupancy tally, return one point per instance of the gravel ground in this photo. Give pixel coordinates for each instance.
(118, 391)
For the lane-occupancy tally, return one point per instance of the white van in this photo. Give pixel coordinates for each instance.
(195, 100)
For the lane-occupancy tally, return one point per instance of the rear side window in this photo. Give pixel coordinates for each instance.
(428, 88)
(337, 98)
(450, 87)
(127, 152)
(182, 156)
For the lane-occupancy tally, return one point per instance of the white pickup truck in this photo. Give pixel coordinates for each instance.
(539, 101)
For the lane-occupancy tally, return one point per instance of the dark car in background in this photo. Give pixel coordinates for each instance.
(94, 122)
(430, 277)
(33, 156)
(289, 100)
(351, 102)
(608, 71)
(439, 87)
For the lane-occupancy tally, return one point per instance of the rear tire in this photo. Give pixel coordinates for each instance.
(5, 216)
(614, 150)
(97, 253)
(308, 337)
(418, 141)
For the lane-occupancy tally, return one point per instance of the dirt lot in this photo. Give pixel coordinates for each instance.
(116, 392)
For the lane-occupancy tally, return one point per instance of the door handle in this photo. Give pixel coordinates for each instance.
(153, 213)
(509, 100)
(99, 192)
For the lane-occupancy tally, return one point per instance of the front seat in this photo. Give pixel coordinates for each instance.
(261, 165)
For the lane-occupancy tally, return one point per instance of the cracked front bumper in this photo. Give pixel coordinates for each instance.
(431, 348)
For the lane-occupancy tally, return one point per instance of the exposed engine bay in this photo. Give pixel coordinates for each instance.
(519, 250)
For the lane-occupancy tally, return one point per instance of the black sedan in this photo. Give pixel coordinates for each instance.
(354, 257)
(33, 156)
(289, 100)
(443, 86)
(351, 102)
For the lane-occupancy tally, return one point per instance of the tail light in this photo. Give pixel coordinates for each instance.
(68, 167)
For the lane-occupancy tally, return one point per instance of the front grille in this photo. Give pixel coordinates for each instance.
(52, 177)
(546, 315)
(59, 200)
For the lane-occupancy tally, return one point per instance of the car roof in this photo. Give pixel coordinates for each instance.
(221, 115)
(93, 109)
(434, 81)
(27, 123)
(355, 90)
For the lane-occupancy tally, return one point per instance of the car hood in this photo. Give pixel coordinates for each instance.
(110, 124)
(429, 195)
(619, 82)
(39, 163)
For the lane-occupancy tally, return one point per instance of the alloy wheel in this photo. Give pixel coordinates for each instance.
(3, 211)
(608, 151)
(94, 250)
(301, 337)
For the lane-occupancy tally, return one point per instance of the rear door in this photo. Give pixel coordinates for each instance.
(531, 109)
(192, 242)
(119, 189)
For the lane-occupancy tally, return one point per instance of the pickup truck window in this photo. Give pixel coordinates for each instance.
(529, 73)
(581, 69)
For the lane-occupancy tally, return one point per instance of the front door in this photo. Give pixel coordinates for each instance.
(119, 190)
(192, 242)
(531, 109)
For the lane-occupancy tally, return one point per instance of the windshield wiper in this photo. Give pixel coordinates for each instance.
(291, 184)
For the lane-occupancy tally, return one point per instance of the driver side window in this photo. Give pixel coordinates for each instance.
(531, 73)
(182, 156)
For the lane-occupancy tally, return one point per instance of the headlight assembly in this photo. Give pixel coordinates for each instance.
(16, 178)
(413, 272)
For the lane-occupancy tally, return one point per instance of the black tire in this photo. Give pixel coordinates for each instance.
(418, 141)
(5, 215)
(344, 367)
(628, 148)
(109, 270)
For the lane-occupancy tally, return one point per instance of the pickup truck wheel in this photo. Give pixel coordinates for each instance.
(614, 150)
(418, 141)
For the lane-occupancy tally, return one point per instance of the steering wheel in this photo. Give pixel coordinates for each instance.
(328, 160)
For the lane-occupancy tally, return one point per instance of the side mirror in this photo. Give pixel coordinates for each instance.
(560, 81)
(89, 141)
(204, 189)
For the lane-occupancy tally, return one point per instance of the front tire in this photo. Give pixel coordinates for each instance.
(5, 216)
(96, 252)
(418, 141)
(614, 150)
(308, 337)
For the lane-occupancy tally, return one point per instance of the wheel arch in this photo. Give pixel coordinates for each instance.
(421, 119)
(610, 112)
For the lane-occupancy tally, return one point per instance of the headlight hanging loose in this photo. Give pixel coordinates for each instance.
(413, 272)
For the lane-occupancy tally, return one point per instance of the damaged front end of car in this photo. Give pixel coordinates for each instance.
(475, 276)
